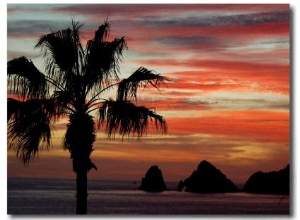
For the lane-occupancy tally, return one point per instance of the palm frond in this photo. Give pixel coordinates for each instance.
(29, 126)
(125, 118)
(64, 101)
(32, 108)
(102, 33)
(141, 78)
(114, 53)
(25, 80)
(13, 106)
(63, 52)
(103, 57)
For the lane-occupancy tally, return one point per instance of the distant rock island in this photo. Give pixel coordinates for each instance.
(275, 182)
(153, 180)
(207, 179)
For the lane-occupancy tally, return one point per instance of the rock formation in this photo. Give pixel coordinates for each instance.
(153, 180)
(207, 179)
(275, 182)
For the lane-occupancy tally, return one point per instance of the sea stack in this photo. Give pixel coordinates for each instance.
(153, 180)
(274, 182)
(208, 179)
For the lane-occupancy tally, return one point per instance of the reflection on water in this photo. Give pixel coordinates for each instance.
(115, 197)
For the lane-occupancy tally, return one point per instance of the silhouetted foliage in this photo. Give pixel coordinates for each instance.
(73, 84)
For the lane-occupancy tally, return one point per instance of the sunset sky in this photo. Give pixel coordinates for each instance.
(227, 101)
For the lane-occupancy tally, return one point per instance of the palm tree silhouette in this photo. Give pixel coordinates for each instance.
(73, 85)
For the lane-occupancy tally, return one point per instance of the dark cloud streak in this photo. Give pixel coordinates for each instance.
(33, 28)
(219, 21)
(192, 42)
(141, 10)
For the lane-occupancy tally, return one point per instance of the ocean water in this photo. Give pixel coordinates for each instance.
(51, 196)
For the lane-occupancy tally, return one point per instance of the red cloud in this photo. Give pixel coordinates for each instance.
(248, 125)
(213, 75)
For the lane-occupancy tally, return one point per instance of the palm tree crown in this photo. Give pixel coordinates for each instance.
(73, 82)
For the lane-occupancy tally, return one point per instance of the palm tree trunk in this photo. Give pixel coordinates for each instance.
(81, 183)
